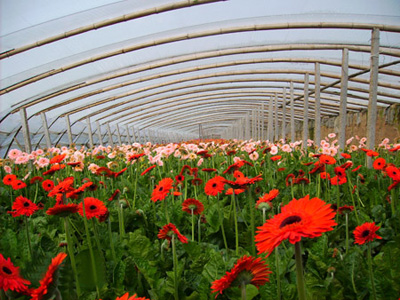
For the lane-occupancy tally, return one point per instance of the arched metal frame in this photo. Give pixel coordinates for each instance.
(179, 92)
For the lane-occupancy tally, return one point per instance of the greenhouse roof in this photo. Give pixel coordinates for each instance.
(169, 69)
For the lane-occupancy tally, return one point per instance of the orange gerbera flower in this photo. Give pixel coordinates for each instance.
(268, 197)
(379, 163)
(168, 230)
(93, 208)
(194, 205)
(147, 170)
(299, 218)
(54, 168)
(23, 207)
(214, 186)
(326, 159)
(247, 270)
(10, 278)
(50, 278)
(366, 233)
(162, 189)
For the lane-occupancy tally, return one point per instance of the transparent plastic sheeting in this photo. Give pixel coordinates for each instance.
(195, 57)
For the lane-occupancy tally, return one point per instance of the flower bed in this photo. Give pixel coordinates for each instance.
(199, 220)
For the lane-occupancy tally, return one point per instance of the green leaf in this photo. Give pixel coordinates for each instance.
(85, 270)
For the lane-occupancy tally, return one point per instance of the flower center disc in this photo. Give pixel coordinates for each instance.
(7, 270)
(92, 207)
(290, 220)
(26, 204)
(365, 233)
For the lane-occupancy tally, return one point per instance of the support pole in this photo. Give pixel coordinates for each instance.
(25, 130)
(69, 130)
(292, 128)
(134, 134)
(373, 93)
(248, 126)
(99, 133)
(317, 78)
(119, 135)
(90, 132)
(128, 135)
(46, 130)
(270, 120)
(305, 116)
(343, 99)
(110, 137)
(276, 135)
(262, 122)
(284, 115)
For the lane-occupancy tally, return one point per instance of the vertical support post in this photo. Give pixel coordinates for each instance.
(99, 133)
(110, 137)
(46, 129)
(317, 79)
(134, 134)
(25, 130)
(292, 128)
(247, 126)
(284, 115)
(90, 132)
(270, 120)
(119, 135)
(373, 93)
(262, 122)
(343, 99)
(69, 131)
(305, 116)
(128, 135)
(276, 135)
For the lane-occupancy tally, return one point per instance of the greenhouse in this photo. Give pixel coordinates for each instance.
(199, 149)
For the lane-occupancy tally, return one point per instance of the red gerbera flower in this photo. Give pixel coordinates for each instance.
(366, 233)
(326, 159)
(57, 159)
(23, 206)
(49, 282)
(337, 180)
(325, 175)
(395, 148)
(340, 172)
(290, 179)
(371, 153)
(356, 169)
(168, 230)
(104, 171)
(135, 156)
(379, 163)
(242, 181)
(54, 168)
(48, 185)
(63, 187)
(276, 157)
(36, 179)
(393, 173)
(18, 184)
(162, 189)
(147, 170)
(93, 208)
(75, 192)
(346, 155)
(214, 186)
(126, 297)
(209, 170)
(9, 179)
(63, 210)
(230, 191)
(268, 197)
(197, 181)
(114, 195)
(299, 218)
(179, 178)
(10, 278)
(192, 205)
(247, 270)
(120, 172)
(345, 209)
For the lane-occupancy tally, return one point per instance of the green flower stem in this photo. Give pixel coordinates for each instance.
(352, 198)
(166, 210)
(192, 225)
(96, 235)
(176, 294)
(243, 289)
(252, 224)
(72, 256)
(278, 276)
(236, 225)
(121, 221)
(371, 274)
(299, 272)
(392, 198)
(347, 232)
(199, 229)
(264, 215)
(319, 187)
(111, 241)
(90, 249)
(36, 192)
(221, 219)
(57, 294)
(135, 187)
(28, 237)
(337, 201)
